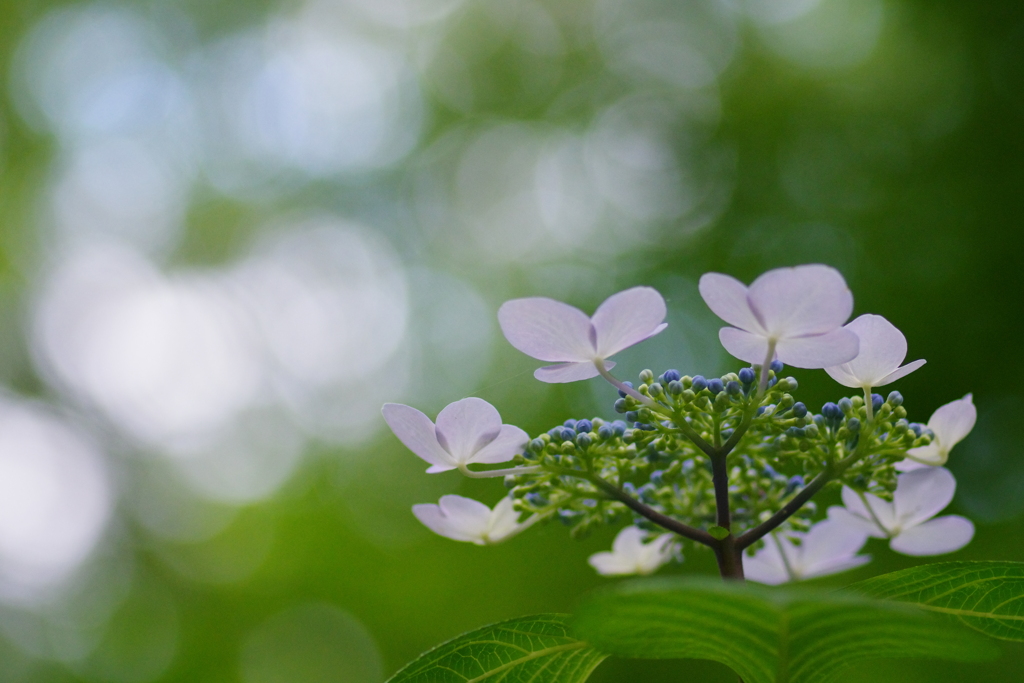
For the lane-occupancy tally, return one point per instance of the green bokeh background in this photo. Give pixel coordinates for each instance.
(902, 167)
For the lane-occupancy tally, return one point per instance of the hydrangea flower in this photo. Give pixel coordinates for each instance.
(630, 555)
(555, 332)
(796, 313)
(467, 431)
(949, 424)
(465, 519)
(828, 548)
(882, 349)
(908, 520)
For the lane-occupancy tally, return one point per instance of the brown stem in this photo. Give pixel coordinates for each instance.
(730, 559)
(664, 521)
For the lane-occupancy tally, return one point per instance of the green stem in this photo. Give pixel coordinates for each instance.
(488, 474)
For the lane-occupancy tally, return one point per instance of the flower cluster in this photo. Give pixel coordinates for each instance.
(727, 463)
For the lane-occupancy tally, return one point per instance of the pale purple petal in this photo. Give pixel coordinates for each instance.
(953, 421)
(569, 372)
(836, 565)
(882, 349)
(900, 372)
(843, 375)
(510, 441)
(628, 318)
(845, 517)
(610, 564)
(457, 518)
(819, 351)
(931, 454)
(503, 522)
(746, 346)
(800, 301)
(830, 541)
(547, 330)
(434, 469)
(870, 507)
(416, 431)
(922, 494)
(767, 566)
(908, 465)
(935, 537)
(727, 298)
(466, 426)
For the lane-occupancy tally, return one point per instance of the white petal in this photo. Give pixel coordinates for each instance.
(882, 349)
(900, 372)
(510, 441)
(922, 494)
(466, 426)
(629, 542)
(628, 318)
(908, 465)
(746, 346)
(883, 511)
(866, 526)
(610, 564)
(836, 565)
(727, 298)
(953, 421)
(935, 537)
(931, 454)
(829, 542)
(569, 372)
(766, 566)
(655, 554)
(805, 300)
(458, 520)
(819, 351)
(503, 522)
(416, 431)
(844, 375)
(547, 330)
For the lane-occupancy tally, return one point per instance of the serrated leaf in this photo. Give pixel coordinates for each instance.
(537, 649)
(987, 596)
(766, 635)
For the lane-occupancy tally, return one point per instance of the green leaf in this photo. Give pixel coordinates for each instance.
(987, 596)
(536, 649)
(718, 532)
(766, 635)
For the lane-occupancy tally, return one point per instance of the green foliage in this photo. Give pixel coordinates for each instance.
(987, 596)
(765, 635)
(537, 649)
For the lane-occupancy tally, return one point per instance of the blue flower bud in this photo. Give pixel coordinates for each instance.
(845, 406)
(620, 405)
(776, 366)
(761, 410)
(733, 388)
(675, 387)
(584, 440)
(795, 482)
(853, 424)
(537, 445)
(568, 517)
(768, 471)
(895, 399)
(795, 432)
(606, 431)
(567, 434)
(629, 488)
(619, 427)
(645, 427)
(646, 493)
(831, 411)
(876, 402)
(570, 423)
(747, 375)
(773, 381)
(536, 499)
(917, 427)
(699, 384)
(632, 416)
(715, 386)
(622, 394)
(688, 466)
(672, 376)
(799, 410)
(555, 433)
(584, 426)
(658, 477)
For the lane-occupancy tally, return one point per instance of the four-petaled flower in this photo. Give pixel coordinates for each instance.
(882, 349)
(829, 547)
(949, 425)
(555, 332)
(465, 519)
(630, 555)
(467, 431)
(907, 520)
(797, 313)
